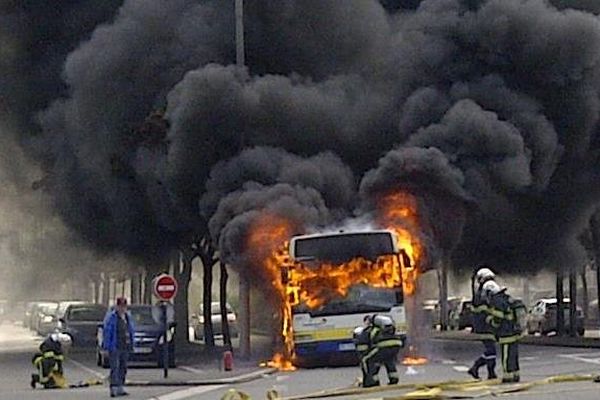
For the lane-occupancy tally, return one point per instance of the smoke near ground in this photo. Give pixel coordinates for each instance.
(486, 110)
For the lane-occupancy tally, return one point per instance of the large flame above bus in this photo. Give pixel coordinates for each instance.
(314, 285)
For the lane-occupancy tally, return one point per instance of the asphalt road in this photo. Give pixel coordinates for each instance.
(448, 361)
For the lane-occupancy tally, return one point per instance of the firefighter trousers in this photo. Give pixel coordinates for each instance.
(510, 360)
(371, 363)
(488, 358)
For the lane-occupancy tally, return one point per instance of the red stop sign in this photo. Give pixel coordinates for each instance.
(165, 287)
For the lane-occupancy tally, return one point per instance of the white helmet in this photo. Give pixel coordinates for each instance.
(483, 275)
(491, 288)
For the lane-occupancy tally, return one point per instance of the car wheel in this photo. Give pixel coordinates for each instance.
(581, 331)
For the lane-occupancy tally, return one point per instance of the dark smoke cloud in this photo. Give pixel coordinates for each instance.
(323, 172)
(302, 207)
(494, 101)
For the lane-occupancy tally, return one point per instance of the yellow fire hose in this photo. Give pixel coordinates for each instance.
(453, 389)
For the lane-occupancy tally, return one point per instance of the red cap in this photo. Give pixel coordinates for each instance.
(121, 301)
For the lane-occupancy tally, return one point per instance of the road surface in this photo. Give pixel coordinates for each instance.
(448, 360)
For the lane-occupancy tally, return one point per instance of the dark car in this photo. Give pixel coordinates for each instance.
(465, 315)
(148, 340)
(542, 317)
(79, 321)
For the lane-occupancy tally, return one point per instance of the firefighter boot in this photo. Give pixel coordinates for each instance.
(474, 370)
(491, 366)
(35, 378)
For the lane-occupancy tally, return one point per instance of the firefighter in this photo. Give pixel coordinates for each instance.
(49, 363)
(481, 327)
(505, 314)
(361, 336)
(383, 349)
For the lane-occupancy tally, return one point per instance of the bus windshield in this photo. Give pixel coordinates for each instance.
(360, 299)
(339, 248)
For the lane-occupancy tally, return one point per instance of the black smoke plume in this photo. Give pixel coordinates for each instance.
(503, 92)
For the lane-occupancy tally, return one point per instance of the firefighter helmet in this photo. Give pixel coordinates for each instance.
(484, 274)
(491, 288)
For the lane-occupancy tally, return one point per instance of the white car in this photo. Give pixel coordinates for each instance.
(215, 311)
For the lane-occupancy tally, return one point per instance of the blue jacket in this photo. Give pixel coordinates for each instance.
(109, 331)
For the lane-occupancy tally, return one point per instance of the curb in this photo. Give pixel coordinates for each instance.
(530, 340)
(207, 382)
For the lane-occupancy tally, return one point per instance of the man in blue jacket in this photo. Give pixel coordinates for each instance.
(118, 336)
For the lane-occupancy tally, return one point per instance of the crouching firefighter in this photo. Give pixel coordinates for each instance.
(49, 364)
(506, 317)
(384, 347)
(481, 327)
(362, 340)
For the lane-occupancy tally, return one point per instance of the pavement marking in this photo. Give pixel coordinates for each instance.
(186, 393)
(460, 368)
(87, 369)
(191, 369)
(590, 358)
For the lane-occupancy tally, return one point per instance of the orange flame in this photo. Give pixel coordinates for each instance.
(315, 285)
(413, 359)
(398, 212)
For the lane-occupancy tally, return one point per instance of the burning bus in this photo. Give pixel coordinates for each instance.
(332, 281)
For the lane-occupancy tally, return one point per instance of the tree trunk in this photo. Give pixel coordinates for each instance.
(244, 317)
(223, 300)
(443, 293)
(573, 302)
(560, 316)
(105, 288)
(206, 255)
(182, 268)
(585, 296)
(136, 287)
(595, 228)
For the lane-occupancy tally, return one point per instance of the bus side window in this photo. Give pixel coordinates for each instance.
(406, 263)
(399, 296)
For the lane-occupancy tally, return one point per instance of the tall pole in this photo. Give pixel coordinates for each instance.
(244, 289)
(572, 302)
(560, 295)
(594, 227)
(444, 294)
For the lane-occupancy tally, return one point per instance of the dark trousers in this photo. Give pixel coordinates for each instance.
(488, 358)
(371, 363)
(510, 359)
(118, 368)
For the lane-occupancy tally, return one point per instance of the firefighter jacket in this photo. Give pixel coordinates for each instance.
(479, 314)
(362, 339)
(49, 359)
(504, 316)
(384, 337)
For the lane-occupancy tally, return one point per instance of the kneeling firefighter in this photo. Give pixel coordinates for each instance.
(506, 317)
(362, 341)
(384, 347)
(49, 363)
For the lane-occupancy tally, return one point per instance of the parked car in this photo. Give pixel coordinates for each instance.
(148, 342)
(45, 318)
(542, 317)
(80, 322)
(464, 315)
(215, 311)
(27, 315)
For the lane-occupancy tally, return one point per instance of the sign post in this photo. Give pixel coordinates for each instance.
(165, 288)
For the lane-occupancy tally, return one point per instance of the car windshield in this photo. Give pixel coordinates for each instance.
(87, 313)
(142, 315)
(50, 308)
